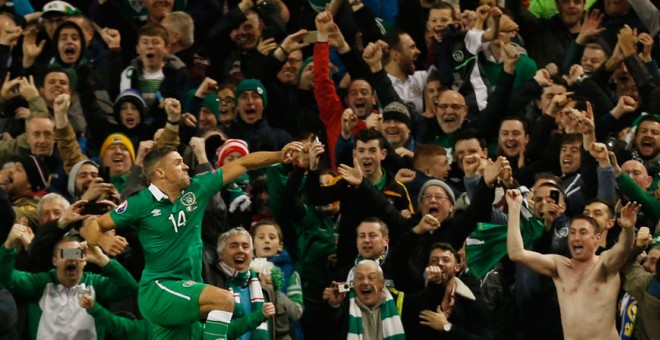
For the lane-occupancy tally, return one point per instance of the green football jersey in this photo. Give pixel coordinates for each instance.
(170, 233)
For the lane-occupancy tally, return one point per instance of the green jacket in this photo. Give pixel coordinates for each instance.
(115, 284)
(118, 327)
(628, 187)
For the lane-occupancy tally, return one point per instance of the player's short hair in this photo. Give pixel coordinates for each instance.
(154, 30)
(589, 219)
(383, 227)
(255, 227)
(153, 157)
(239, 231)
(446, 247)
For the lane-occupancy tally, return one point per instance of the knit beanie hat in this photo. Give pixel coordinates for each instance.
(37, 172)
(302, 67)
(210, 101)
(130, 95)
(230, 146)
(397, 111)
(117, 138)
(437, 183)
(71, 184)
(252, 85)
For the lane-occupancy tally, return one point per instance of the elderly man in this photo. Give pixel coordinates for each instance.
(369, 312)
(251, 311)
(52, 293)
(587, 285)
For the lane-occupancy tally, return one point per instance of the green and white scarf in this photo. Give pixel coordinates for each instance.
(239, 280)
(392, 327)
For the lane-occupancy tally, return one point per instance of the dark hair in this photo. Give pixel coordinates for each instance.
(546, 175)
(444, 5)
(367, 135)
(571, 138)
(383, 227)
(518, 118)
(230, 86)
(153, 157)
(65, 239)
(610, 208)
(152, 30)
(468, 134)
(589, 219)
(41, 81)
(393, 40)
(254, 227)
(646, 118)
(445, 247)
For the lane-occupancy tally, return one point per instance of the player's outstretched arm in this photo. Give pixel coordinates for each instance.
(94, 232)
(616, 257)
(544, 264)
(258, 160)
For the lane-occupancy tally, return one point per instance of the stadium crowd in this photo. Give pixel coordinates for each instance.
(329, 169)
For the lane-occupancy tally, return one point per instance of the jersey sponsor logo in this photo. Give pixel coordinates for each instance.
(188, 283)
(155, 212)
(188, 199)
(122, 207)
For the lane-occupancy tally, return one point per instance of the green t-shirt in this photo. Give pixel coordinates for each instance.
(170, 233)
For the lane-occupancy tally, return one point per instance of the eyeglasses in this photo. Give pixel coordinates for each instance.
(453, 106)
(226, 100)
(438, 198)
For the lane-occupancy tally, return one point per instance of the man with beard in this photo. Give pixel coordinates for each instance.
(587, 285)
(646, 146)
(447, 307)
(51, 293)
(174, 263)
(399, 63)
(369, 311)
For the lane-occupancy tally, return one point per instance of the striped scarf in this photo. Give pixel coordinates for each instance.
(237, 281)
(392, 327)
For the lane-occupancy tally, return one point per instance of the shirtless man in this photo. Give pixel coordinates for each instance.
(587, 285)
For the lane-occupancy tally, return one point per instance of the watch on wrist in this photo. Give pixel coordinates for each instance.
(447, 327)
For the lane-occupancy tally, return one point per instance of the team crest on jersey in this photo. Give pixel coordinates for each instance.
(188, 283)
(155, 212)
(458, 56)
(122, 207)
(188, 199)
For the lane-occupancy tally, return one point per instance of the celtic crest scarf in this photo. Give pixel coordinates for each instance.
(392, 327)
(239, 280)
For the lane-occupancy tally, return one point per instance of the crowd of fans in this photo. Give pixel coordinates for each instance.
(354, 169)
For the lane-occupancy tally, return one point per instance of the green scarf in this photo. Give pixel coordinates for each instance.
(239, 280)
(392, 327)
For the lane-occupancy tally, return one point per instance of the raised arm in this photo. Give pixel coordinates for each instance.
(258, 160)
(543, 264)
(94, 232)
(616, 257)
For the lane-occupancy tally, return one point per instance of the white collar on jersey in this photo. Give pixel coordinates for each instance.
(158, 195)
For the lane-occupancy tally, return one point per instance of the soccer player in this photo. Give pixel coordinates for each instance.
(168, 219)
